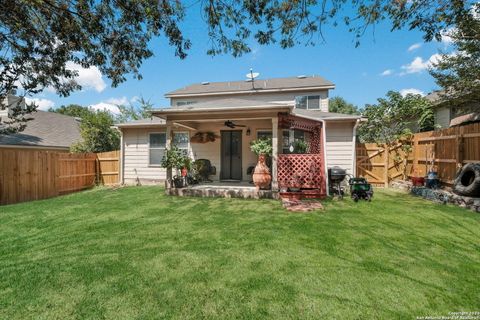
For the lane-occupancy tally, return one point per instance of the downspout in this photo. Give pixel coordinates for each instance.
(324, 138)
(354, 143)
(122, 154)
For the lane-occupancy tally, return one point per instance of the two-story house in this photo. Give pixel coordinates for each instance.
(235, 113)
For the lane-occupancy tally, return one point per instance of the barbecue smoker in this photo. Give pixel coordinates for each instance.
(335, 177)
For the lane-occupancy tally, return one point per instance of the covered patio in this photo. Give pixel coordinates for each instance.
(229, 151)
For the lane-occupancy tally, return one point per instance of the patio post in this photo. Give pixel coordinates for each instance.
(168, 144)
(274, 153)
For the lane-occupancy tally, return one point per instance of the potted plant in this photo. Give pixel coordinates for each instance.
(261, 175)
(186, 164)
(174, 159)
(300, 147)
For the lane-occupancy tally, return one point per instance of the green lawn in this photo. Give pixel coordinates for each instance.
(136, 253)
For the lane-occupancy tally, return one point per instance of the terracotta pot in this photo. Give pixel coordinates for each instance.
(261, 175)
(418, 181)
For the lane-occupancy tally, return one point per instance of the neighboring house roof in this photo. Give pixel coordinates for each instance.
(261, 85)
(46, 129)
(153, 121)
(320, 115)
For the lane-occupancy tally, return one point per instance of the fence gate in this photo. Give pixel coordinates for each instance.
(380, 164)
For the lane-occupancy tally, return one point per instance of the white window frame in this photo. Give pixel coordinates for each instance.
(308, 99)
(156, 148)
(188, 143)
(263, 130)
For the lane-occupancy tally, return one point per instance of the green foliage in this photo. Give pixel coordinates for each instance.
(96, 129)
(458, 73)
(140, 109)
(340, 105)
(41, 41)
(175, 159)
(261, 146)
(395, 117)
(300, 147)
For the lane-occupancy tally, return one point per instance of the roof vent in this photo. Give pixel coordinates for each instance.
(302, 76)
(205, 83)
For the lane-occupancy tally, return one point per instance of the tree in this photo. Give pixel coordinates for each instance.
(135, 111)
(394, 117)
(96, 129)
(458, 73)
(41, 40)
(340, 105)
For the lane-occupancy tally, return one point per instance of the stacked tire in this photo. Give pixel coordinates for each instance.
(467, 182)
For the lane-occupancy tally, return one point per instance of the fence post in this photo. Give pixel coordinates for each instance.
(459, 151)
(386, 165)
(415, 153)
(97, 170)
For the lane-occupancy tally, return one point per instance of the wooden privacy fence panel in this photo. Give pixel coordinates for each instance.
(27, 174)
(108, 167)
(444, 150)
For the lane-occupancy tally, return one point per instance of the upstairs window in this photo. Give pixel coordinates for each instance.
(157, 143)
(307, 102)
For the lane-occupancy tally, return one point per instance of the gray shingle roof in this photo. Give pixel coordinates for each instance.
(142, 122)
(260, 85)
(228, 103)
(47, 129)
(316, 114)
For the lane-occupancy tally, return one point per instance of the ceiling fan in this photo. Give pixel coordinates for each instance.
(232, 125)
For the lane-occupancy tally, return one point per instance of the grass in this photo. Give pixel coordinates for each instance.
(135, 253)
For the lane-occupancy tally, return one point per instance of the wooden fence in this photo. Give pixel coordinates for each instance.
(444, 150)
(27, 174)
(108, 167)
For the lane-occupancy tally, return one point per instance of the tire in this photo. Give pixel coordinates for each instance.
(467, 182)
(355, 198)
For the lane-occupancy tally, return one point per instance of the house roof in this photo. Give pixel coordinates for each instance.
(261, 85)
(153, 121)
(228, 103)
(320, 115)
(46, 129)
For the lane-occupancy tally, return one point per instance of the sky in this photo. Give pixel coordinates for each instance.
(384, 61)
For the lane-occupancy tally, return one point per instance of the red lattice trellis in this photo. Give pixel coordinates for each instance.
(288, 121)
(301, 171)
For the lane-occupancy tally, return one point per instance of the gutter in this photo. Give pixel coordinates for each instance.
(324, 150)
(354, 143)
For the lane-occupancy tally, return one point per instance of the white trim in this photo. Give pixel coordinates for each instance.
(221, 93)
(193, 110)
(156, 148)
(354, 145)
(122, 158)
(324, 128)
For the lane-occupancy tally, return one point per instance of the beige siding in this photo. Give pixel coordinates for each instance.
(265, 97)
(136, 157)
(136, 154)
(340, 145)
(442, 117)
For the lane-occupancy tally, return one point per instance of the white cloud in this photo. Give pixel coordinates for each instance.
(110, 104)
(387, 72)
(414, 46)
(418, 64)
(88, 78)
(447, 36)
(43, 104)
(404, 92)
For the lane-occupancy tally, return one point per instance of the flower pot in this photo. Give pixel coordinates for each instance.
(418, 181)
(261, 175)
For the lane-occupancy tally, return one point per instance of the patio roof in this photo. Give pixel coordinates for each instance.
(320, 115)
(151, 122)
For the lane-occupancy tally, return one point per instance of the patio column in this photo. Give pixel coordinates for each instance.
(168, 144)
(274, 153)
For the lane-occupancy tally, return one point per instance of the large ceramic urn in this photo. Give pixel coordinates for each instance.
(261, 175)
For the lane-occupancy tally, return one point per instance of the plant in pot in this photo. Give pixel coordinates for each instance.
(300, 147)
(261, 175)
(186, 164)
(174, 159)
